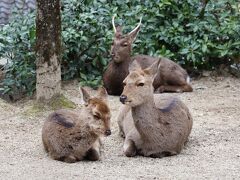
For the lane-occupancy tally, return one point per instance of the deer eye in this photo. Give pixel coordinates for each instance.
(124, 84)
(96, 116)
(140, 84)
(125, 44)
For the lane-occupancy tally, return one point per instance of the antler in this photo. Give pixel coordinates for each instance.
(136, 27)
(114, 27)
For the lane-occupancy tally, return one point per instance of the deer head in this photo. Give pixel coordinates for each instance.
(99, 110)
(122, 44)
(138, 86)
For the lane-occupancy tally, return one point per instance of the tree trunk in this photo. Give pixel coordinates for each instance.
(48, 49)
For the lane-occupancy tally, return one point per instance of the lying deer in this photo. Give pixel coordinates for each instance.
(152, 125)
(71, 136)
(171, 77)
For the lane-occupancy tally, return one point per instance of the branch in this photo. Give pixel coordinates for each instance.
(204, 4)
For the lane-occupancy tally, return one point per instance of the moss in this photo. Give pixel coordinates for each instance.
(61, 102)
(57, 102)
(4, 105)
(34, 109)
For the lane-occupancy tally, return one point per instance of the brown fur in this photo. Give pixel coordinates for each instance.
(2, 75)
(71, 136)
(153, 125)
(171, 77)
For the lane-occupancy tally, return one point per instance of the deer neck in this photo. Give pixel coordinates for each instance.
(125, 61)
(145, 117)
(122, 68)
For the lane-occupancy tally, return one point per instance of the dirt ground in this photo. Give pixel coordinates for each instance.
(213, 151)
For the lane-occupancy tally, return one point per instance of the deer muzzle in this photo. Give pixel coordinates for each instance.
(123, 99)
(112, 55)
(108, 132)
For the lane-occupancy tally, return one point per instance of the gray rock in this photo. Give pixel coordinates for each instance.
(235, 70)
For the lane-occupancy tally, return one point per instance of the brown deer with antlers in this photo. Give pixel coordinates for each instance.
(153, 125)
(170, 77)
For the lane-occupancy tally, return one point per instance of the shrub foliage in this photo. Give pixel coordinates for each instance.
(194, 34)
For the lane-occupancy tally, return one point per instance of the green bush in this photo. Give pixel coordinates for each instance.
(16, 45)
(184, 31)
(87, 35)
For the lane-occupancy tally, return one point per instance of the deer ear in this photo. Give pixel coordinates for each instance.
(102, 93)
(133, 34)
(85, 95)
(134, 66)
(153, 69)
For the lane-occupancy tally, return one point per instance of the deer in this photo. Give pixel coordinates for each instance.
(171, 77)
(75, 135)
(152, 125)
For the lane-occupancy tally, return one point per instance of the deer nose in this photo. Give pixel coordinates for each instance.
(108, 132)
(123, 98)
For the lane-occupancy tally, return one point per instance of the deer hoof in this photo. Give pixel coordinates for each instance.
(92, 155)
(70, 159)
(179, 91)
(130, 149)
(161, 89)
(130, 153)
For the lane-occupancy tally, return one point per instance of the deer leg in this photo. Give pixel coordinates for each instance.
(120, 125)
(121, 132)
(93, 154)
(163, 154)
(121, 118)
(169, 88)
(188, 88)
(69, 159)
(45, 146)
(129, 148)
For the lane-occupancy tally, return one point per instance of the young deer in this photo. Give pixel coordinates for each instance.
(152, 125)
(171, 77)
(71, 136)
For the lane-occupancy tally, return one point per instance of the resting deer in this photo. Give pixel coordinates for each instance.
(152, 125)
(71, 136)
(171, 77)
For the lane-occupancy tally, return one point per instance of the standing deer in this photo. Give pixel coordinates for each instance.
(71, 136)
(170, 77)
(152, 125)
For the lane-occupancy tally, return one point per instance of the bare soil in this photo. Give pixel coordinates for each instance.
(213, 150)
